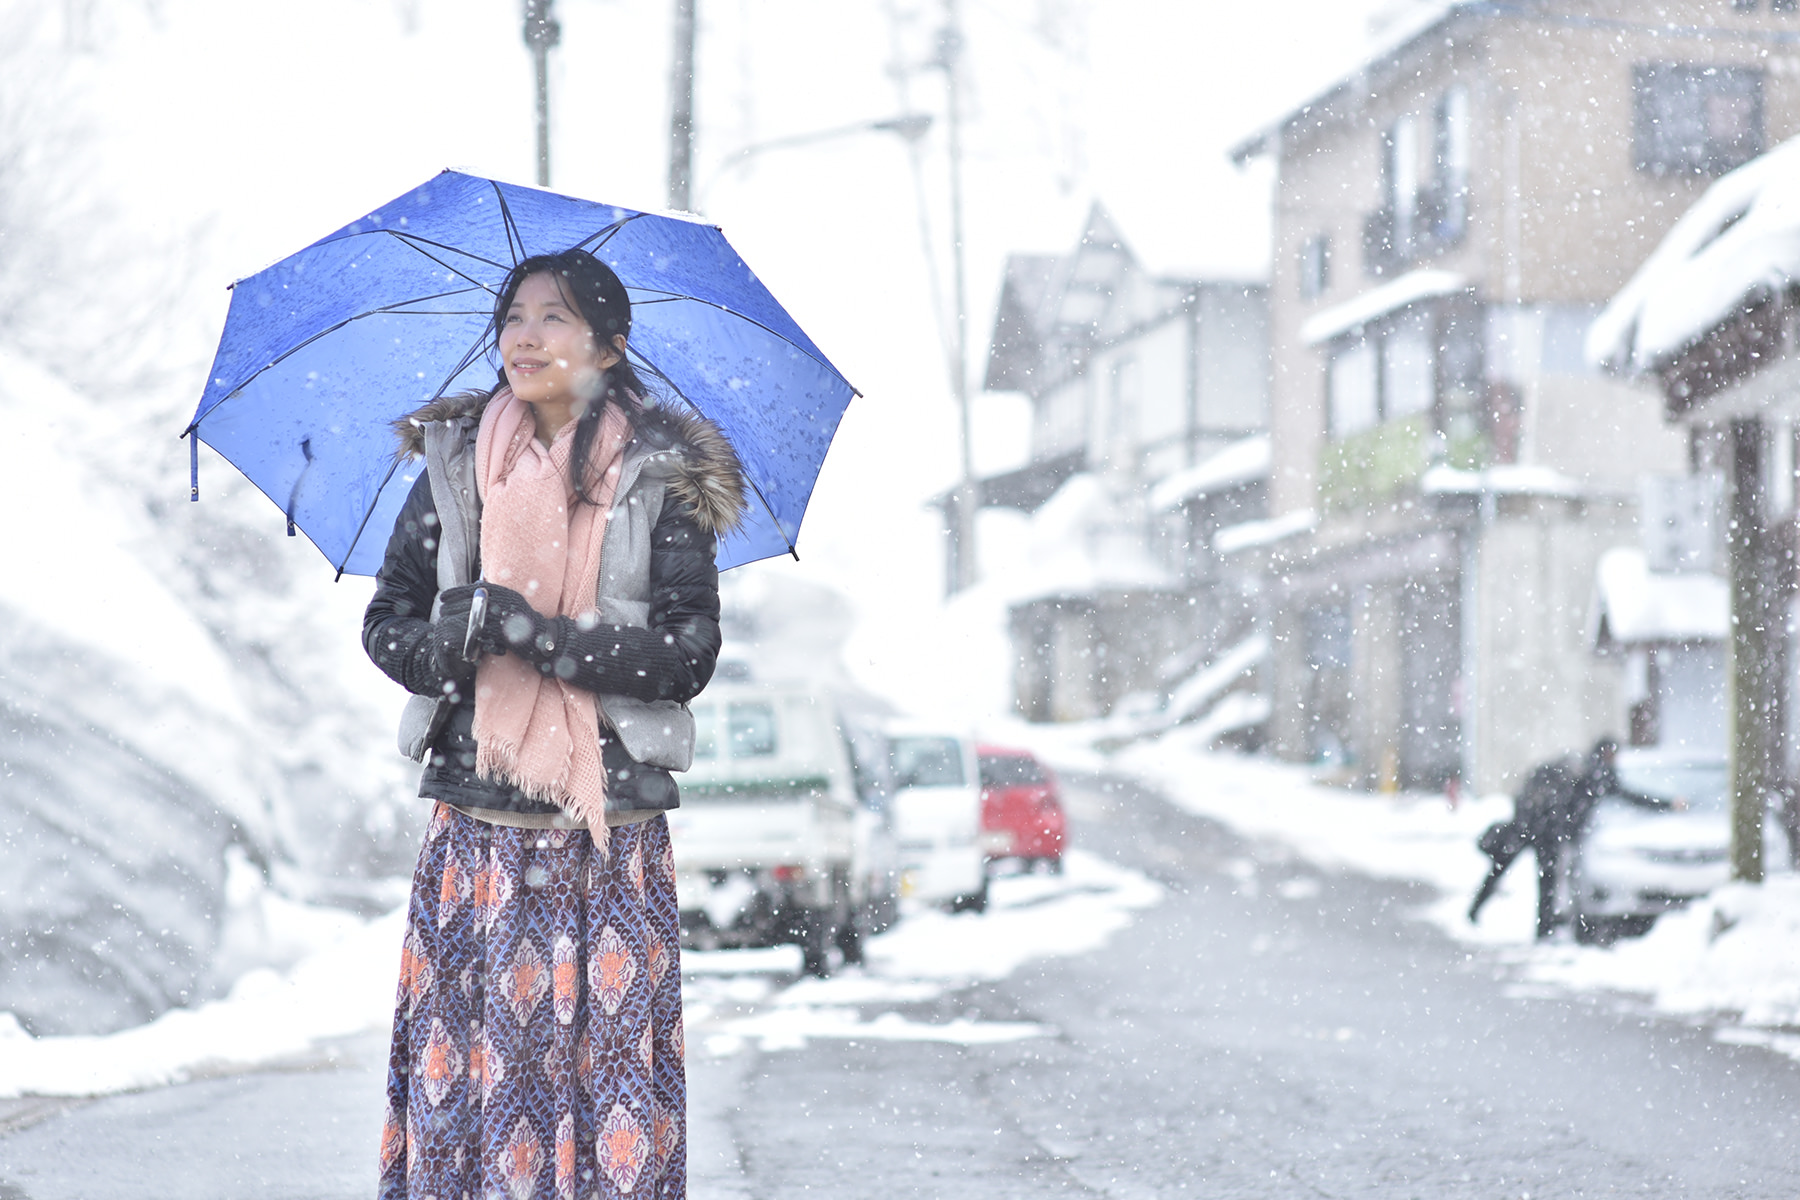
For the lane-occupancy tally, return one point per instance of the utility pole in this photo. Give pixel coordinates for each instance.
(542, 33)
(961, 566)
(1755, 639)
(681, 109)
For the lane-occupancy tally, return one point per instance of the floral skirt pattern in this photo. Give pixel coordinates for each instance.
(537, 1044)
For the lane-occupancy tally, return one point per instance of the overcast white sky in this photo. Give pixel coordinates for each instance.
(267, 124)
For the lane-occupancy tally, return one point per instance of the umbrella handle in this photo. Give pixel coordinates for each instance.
(477, 619)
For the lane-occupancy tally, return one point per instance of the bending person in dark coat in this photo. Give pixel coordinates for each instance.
(1548, 815)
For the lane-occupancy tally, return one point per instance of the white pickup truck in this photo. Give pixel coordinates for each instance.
(782, 834)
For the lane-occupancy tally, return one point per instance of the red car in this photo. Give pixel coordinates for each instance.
(1021, 814)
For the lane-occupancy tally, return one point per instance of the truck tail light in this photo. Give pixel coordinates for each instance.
(789, 874)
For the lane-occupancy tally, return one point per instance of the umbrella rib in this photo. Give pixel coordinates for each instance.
(462, 365)
(367, 513)
(412, 243)
(773, 519)
(514, 242)
(389, 309)
(467, 358)
(605, 232)
(409, 239)
(668, 296)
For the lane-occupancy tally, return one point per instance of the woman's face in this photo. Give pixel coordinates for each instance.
(550, 354)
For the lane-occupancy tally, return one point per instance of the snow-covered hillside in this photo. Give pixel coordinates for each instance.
(171, 683)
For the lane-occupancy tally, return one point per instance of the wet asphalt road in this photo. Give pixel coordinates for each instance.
(1235, 1042)
(1266, 1031)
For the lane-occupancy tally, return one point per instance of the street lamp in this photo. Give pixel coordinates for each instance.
(542, 33)
(960, 570)
(910, 126)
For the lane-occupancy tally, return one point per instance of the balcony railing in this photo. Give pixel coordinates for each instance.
(1438, 221)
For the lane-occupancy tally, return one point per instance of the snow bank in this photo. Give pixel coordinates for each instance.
(72, 546)
(1740, 239)
(1735, 954)
(344, 974)
(345, 985)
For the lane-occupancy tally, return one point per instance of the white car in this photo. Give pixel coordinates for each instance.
(782, 834)
(937, 816)
(1633, 863)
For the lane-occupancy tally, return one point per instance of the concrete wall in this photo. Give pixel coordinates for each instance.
(1375, 683)
(1540, 691)
(1602, 433)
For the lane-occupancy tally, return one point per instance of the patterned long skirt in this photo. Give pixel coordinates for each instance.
(537, 1044)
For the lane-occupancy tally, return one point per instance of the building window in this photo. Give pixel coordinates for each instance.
(1421, 216)
(1783, 5)
(1408, 367)
(1400, 174)
(1315, 266)
(1355, 388)
(1443, 208)
(1698, 120)
(1423, 361)
(1388, 231)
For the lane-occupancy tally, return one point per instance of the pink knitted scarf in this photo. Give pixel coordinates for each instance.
(537, 732)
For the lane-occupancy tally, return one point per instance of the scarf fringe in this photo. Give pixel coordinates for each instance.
(496, 763)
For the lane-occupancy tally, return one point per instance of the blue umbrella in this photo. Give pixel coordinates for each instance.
(323, 350)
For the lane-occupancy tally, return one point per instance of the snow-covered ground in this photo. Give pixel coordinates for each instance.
(312, 974)
(343, 970)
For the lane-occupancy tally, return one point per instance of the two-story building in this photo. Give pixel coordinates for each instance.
(1149, 409)
(1447, 468)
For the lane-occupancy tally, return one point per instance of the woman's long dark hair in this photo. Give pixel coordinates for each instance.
(600, 298)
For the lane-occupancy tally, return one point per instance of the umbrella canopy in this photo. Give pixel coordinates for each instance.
(324, 349)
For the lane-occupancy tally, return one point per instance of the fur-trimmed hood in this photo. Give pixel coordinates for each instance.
(709, 475)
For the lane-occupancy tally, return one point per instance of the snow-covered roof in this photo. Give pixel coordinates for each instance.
(1241, 462)
(1233, 538)
(1739, 240)
(1403, 24)
(1637, 605)
(1507, 479)
(1078, 549)
(1410, 288)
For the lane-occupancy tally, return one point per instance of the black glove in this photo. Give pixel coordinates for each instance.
(512, 625)
(436, 666)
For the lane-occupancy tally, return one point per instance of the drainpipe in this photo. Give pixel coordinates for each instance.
(1469, 602)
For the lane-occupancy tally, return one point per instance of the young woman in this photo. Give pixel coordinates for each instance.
(537, 1046)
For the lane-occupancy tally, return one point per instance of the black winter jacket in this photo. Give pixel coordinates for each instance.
(671, 660)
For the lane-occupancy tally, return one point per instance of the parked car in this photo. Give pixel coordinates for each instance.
(937, 817)
(1021, 812)
(783, 834)
(1632, 863)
